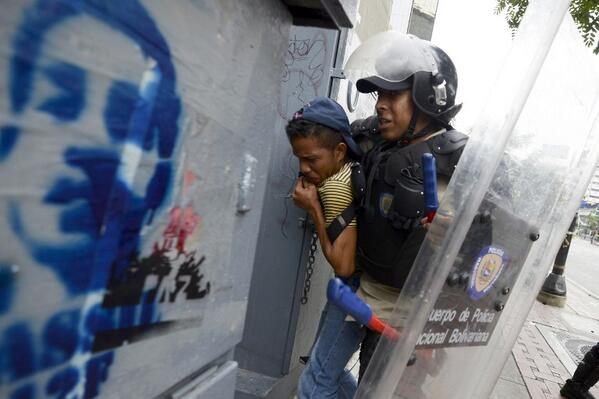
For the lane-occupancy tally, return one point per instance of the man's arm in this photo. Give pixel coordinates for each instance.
(341, 253)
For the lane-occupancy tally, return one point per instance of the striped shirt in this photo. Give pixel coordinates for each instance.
(336, 194)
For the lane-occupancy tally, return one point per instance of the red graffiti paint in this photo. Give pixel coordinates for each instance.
(188, 179)
(182, 224)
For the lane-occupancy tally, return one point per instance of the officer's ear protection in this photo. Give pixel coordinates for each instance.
(438, 85)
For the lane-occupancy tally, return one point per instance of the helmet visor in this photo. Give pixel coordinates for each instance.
(374, 83)
(388, 59)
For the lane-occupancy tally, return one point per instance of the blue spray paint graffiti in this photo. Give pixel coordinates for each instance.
(8, 139)
(99, 165)
(102, 210)
(6, 287)
(67, 105)
(22, 354)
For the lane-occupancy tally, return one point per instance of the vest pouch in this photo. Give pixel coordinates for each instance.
(408, 205)
(358, 182)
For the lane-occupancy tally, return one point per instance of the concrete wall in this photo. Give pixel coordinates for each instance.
(374, 17)
(126, 226)
(142, 170)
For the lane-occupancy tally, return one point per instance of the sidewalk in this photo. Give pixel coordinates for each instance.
(550, 346)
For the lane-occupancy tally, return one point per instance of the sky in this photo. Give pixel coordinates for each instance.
(562, 107)
(478, 41)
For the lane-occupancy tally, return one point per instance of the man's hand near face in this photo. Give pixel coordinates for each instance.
(339, 254)
(305, 195)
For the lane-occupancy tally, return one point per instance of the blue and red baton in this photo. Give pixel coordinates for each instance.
(429, 171)
(343, 297)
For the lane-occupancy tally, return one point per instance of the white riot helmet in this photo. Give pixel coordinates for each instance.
(395, 61)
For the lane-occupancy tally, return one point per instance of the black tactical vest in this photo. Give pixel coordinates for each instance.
(389, 229)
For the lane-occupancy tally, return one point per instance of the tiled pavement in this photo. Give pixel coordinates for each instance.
(541, 369)
(550, 345)
(548, 349)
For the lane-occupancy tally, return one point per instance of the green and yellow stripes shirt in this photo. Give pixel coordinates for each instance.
(336, 194)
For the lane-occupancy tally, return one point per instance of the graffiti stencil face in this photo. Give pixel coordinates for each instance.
(87, 147)
(95, 129)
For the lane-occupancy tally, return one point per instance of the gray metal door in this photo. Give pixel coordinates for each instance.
(280, 264)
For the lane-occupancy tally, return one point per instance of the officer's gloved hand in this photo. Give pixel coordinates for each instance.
(437, 228)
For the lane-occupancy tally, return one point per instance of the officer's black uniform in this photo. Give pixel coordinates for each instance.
(585, 376)
(389, 229)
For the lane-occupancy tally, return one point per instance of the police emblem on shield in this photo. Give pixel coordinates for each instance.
(487, 268)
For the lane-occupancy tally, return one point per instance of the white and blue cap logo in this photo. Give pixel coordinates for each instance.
(486, 270)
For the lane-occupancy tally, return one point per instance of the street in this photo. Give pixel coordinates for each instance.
(582, 265)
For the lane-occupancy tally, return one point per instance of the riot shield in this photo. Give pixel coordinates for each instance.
(500, 223)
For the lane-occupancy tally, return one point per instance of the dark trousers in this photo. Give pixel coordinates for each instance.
(585, 376)
(371, 339)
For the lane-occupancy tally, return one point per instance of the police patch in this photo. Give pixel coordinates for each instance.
(487, 268)
(385, 203)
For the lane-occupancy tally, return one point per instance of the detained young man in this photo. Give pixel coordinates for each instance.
(319, 134)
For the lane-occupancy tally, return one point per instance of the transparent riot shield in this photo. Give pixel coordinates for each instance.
(500, 223)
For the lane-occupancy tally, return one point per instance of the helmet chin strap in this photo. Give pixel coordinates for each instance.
(410, 134)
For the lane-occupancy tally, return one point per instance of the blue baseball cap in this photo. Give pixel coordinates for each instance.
(326, 112)
(329, 113)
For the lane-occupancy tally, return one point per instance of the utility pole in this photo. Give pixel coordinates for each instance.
(554, 288)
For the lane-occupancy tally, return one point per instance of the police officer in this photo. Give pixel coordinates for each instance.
(415, 83)
(585, 376)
